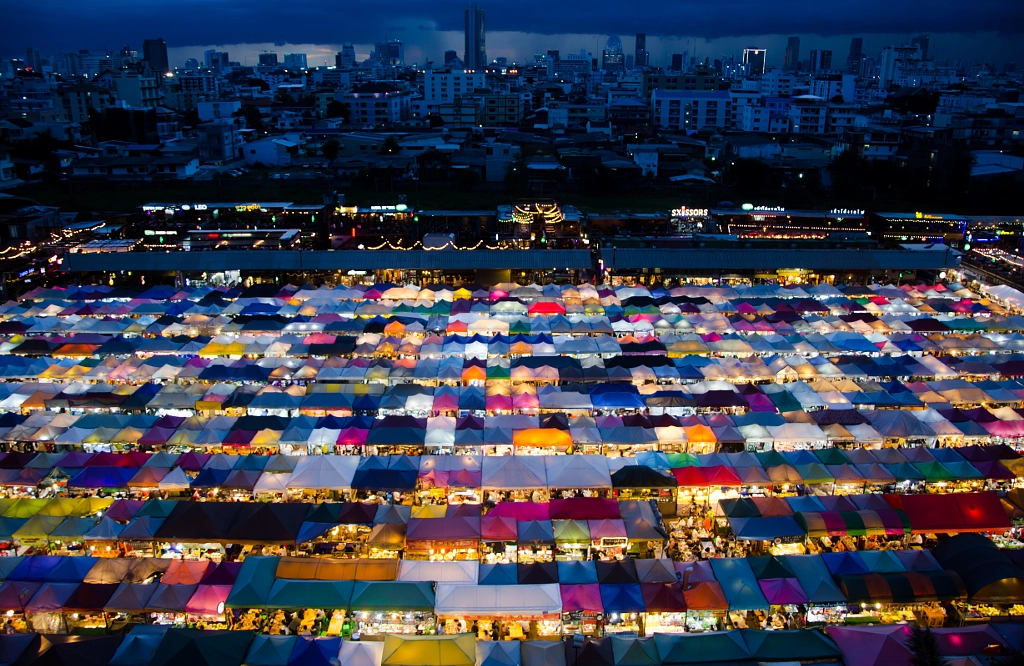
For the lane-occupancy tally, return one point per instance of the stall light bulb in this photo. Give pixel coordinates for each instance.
(220, 608)
(10, 613)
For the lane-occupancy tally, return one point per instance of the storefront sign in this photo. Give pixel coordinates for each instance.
(614, 542)
(846, 211)
(689, 212)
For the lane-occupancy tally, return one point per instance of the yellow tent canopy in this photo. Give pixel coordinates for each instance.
(454, 650)
(541, 437)
(38, 527)
(24, 508)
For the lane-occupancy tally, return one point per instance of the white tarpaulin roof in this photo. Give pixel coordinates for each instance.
(577, 471)
(327, 472)
(797, 432)
(497, 600)
(503, 472)
(454, 573)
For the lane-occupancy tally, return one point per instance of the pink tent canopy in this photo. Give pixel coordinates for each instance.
(123, 510)
(886, 645)
(581, 598)
(868, 646)
(498, 403)
(585, 508)
(782, 591)
(522, 511)
(207, 599)
(498, 528)
(600, 529)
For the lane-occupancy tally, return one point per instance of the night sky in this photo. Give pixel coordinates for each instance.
(979, 30)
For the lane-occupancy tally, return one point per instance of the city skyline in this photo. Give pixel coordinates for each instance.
(990, 32)
(500, 44)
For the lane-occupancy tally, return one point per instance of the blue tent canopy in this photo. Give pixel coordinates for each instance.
(499, 574)
(766, 528)
(738, 583)
(139, 646)
(315, 651)
(815, 579)
(254, 582)
(267, 650)
(577, 573)
(625, 598)
(844, 563)
(102, 477)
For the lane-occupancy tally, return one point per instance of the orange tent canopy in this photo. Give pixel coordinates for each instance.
(541, 437)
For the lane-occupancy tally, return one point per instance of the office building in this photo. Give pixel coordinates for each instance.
(215, 60)
(346, 59)
(295, 60)
(476, 39)
(677, 62)
(896, 63)
(268, 59)
(922, 42)
(33, 60)
(391, 53)
(690, 109)
(612, 58)
(640, 56)
(449, 56)
(856, 55)
(191, 64)
(753, 60)
(820, 60)
(791, 61)
(154, 52)
(441, 86)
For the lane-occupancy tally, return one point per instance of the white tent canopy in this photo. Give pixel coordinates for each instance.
(452, 573)
(504, 472)
(497, 600)
(577, 471)
(326, 472)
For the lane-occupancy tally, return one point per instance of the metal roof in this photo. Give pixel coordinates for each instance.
(293, 260)
(774, 259)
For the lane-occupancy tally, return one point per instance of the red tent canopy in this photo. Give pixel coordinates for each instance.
(960, 512)
(498, 528)
(585, 508)
(706, 596)
(663, 597)
(522, 510)
(691, 476)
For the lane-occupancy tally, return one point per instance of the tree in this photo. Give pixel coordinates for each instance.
(330, 150)
(433, 165)
(850, 174)
(465, 179)
(924, 648)
(191, 118)
(257, 83)
(391, 146)
(517, 180)
(752, 178)
(253, 119)
(954, 171)
(336, 109)
(284, 97)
